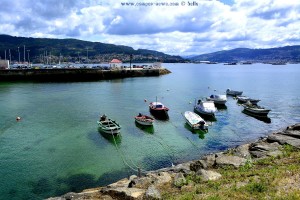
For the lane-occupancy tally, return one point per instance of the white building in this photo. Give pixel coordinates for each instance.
(115, 63)
(4, 64)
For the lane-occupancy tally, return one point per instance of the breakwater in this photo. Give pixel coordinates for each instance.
(66, 75)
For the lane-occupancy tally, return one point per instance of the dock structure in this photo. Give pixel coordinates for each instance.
(75, 75)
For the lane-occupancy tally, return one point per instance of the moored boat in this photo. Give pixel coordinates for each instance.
(206, 108)
(217, 99)
(144, 120)
(159, 110)
(255, 109)
(244, 99)
(108, 126)
(195, 121)
(233, 92)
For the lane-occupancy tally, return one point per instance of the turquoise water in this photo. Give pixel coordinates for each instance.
(56, 147)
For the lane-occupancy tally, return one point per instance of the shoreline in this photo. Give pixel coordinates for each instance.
(75, 75)
(154, 183)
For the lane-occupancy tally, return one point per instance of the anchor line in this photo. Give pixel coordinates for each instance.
(121, 153)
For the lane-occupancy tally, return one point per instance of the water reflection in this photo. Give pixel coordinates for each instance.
(114, 139)
(147, 129)
(201, 133)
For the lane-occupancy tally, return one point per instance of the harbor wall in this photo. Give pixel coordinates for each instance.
(66, 75)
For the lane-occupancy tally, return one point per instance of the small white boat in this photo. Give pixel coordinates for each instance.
(206, 107)
(255, 109)
(218, 99)
(244, 99)
(233, 92)
(108, 126)
(144, 120)
(195, 121)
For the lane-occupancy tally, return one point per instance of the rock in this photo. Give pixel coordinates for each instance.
(264, 146)
(160, 178)
(263, 149)
(152, 193)
(294, 134)
(207, 175)
(179, 180)
(199, 164)
(210, 160)
(124, 192)
(142, 183)
(294, 127)
(121, 183)
(183, 167)
(242, 151)
(235, 161)
(284, 139)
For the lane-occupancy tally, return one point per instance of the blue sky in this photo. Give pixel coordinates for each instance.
(180, 28)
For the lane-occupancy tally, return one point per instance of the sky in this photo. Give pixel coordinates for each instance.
(177, 27)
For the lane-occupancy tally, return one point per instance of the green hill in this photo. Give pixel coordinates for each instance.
(75, 50)
(281, 54)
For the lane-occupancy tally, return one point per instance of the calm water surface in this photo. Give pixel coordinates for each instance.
(56, 147)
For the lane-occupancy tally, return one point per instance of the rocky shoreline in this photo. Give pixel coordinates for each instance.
(153, 183)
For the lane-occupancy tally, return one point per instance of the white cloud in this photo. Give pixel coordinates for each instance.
(206, 27)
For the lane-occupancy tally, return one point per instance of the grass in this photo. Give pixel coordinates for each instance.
(270, 178)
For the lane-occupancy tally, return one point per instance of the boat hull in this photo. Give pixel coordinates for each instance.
(258, 111)
(233, 92)
(109, 127)
(245, 99)
(199, 110)
(160, 114)
(195, 121)
(144, 120)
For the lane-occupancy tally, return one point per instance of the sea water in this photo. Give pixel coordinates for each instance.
(56, 147)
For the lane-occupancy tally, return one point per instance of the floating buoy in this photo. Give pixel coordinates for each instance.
(18, 118)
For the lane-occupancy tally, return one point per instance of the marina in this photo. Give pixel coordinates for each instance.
(56, 148)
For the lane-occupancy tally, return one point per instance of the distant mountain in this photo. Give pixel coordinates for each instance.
(75, 50)
(281, 54)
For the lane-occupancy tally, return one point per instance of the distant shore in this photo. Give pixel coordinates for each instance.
(75, 75)
(252, 170)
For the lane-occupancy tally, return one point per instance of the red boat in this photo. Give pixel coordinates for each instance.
(158, 110)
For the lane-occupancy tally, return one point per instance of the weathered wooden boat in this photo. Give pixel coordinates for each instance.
(108, 126)
(144, 120)
(233, 92)
(255, 109)
(217, 99)
(206, 108)
(159, 110)
(195, 121)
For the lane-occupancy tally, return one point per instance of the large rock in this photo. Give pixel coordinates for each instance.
(198, 164)
(284, 139)
(124, 193)
(179, 180)
(291, 133)
(152, 193)
(263, 149)
(226, 160)
(207, 175)
(294, 127)
(160, 178)
(183, 167)
(242, 151)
